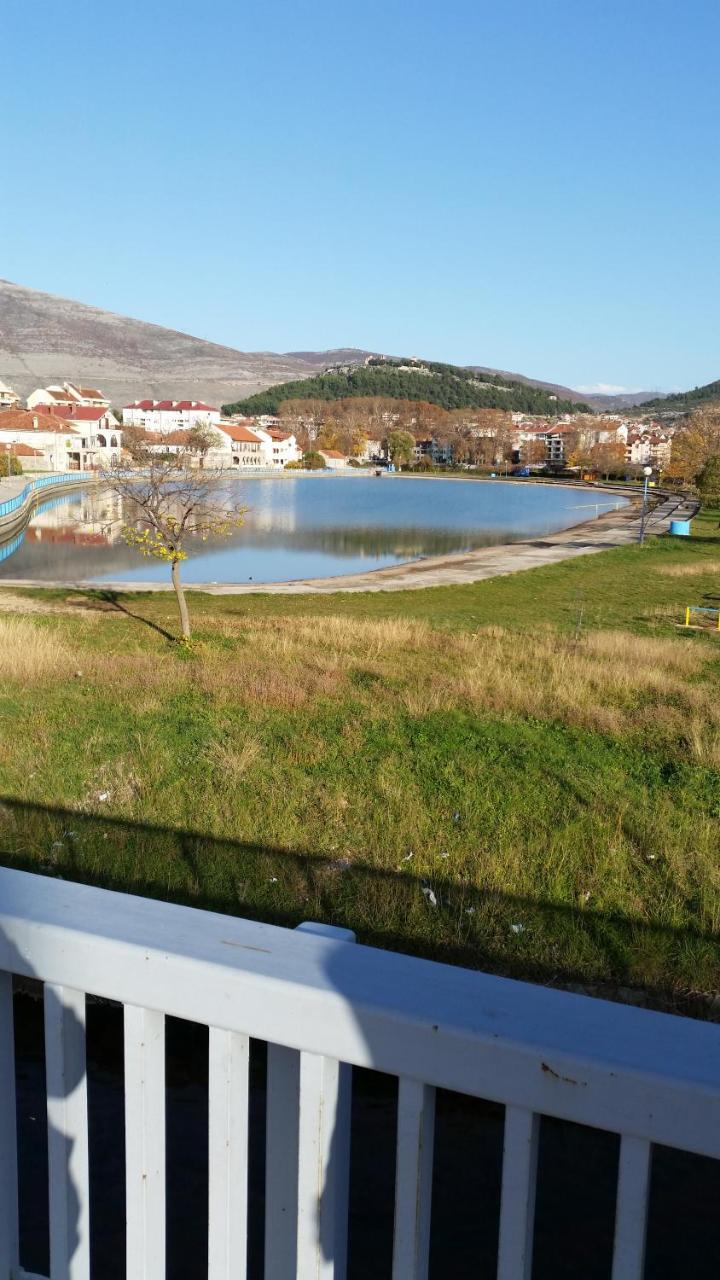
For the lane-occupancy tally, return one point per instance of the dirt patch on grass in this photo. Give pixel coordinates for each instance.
(12, 603)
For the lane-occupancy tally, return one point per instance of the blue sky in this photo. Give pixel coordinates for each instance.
(532, 185)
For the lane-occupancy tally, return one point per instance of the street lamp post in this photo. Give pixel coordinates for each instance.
(647, 472)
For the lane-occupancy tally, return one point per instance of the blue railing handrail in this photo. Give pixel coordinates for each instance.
(40, 482)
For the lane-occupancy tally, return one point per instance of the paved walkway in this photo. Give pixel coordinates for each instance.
(616, 529)
(11, 486)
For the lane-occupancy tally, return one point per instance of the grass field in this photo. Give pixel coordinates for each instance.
(521, 775)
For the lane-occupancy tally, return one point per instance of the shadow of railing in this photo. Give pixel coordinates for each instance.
(440, 915)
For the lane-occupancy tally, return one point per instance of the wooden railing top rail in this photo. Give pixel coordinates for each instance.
(639, 1073)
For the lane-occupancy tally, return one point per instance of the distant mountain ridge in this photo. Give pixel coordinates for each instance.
(680, 400)
(598, 400)
(45, 338)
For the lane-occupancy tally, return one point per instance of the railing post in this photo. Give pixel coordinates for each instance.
(517, 1202)
(633, 1193)
(8, 1135)
(67, 1117)
(145, 1143)
(228, 1081)
(413, 1179)
(307, 1158)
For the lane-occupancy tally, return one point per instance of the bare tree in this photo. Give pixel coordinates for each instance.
(174, 501)
(202, 439)
(533, 452)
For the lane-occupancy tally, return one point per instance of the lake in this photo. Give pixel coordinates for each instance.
(302, 527)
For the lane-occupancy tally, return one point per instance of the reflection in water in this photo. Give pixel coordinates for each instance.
(299, 528)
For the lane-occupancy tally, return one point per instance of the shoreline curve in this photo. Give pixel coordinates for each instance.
(602, 533)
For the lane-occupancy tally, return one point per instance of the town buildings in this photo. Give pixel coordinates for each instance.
(245, 449)
(334, 460)
(652, 447)
(269, 443)
(170, 415)
(233, 445)
(97, 419)
(255, 446)
(44, 441)
(9, 399)
(67, 394)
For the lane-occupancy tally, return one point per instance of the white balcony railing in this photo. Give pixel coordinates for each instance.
(322, 1005)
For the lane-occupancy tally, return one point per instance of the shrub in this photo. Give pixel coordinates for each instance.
(10, 465)
(313, 461)
(708, 482)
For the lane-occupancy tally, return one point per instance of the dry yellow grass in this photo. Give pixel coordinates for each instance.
(30, 653)
(695, 570)
(236, 759)
(610, 681)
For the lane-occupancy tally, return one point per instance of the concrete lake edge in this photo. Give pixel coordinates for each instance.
(600, 533)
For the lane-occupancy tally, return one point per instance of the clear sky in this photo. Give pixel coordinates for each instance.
(528, 184)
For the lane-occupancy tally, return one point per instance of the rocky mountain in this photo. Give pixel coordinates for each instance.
(45, 339)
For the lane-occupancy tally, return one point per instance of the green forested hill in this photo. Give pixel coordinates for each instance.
(446, 385)
(686, 399)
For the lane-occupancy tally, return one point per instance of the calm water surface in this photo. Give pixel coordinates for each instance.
(303, 527)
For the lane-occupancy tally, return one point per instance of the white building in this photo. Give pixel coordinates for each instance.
(551, 439)
(96, 419)
(170, 415)
(282, 445)
(334, 460)
(236, 445)
(9, 399)
(645, 447)
(57, 444)
(244, 448)
(372, 450)
(67, 394)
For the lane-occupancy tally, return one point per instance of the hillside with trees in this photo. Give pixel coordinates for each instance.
(446, 385)
(681, 400)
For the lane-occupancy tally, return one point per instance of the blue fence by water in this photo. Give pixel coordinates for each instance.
(42, 482)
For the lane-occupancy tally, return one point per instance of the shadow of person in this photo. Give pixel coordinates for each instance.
(67, 1126)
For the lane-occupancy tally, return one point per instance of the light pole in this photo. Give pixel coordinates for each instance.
(647, 472)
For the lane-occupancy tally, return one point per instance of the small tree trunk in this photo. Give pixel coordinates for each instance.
(182, 603)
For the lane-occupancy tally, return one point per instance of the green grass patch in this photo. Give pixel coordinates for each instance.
(521, 775)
